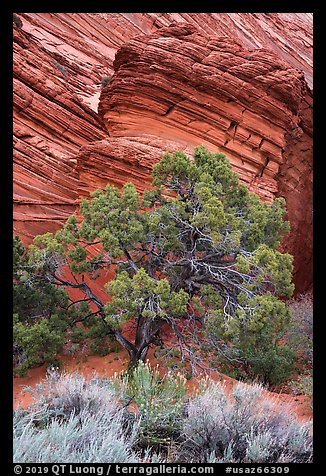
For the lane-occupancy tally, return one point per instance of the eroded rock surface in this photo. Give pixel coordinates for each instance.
(50, 126)
(198, 89)
(238, 83)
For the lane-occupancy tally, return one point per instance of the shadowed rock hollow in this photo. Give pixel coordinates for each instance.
(238, 83)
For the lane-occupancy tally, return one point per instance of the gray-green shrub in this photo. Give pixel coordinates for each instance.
(105, 81)
(77, 420)
(73, 420)
(68, 393)
(300, 334)
(246, 428)
(98, 437)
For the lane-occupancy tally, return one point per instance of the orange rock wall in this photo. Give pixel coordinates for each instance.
(238, 83)
(198, 89)
(50, 125)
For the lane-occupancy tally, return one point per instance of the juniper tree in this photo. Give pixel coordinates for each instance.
(40, 315)
(197, 253)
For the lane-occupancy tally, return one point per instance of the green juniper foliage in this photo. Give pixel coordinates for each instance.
(44, 315)
(196, 254)
(105, 81)
(40, 316)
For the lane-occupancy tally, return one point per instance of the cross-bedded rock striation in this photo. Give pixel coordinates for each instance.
(238, 83)
(182, 85)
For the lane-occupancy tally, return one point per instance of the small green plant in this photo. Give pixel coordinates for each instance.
(270, 364)
(100, 342)
(40, 342)
(188, 374)
(105, 81)
(99, 347)
(304, 385)
(61, 68)
(17, 21)
(159, 401)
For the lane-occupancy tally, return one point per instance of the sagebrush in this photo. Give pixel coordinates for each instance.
(148, 418)
(245, 428)
(73, 420)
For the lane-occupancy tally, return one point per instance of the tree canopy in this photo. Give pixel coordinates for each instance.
(197, 253)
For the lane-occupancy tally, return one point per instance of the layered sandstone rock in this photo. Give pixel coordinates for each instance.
(198, 89)
(234, 82)
(83, 45)
(202, 89)
(50, 125)
(119, 160)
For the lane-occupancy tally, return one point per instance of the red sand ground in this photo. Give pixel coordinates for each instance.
(108, 365)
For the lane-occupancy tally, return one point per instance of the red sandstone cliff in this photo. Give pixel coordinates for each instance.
(238, 83)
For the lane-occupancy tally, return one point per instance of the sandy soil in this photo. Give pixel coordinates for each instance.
(113, 363)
